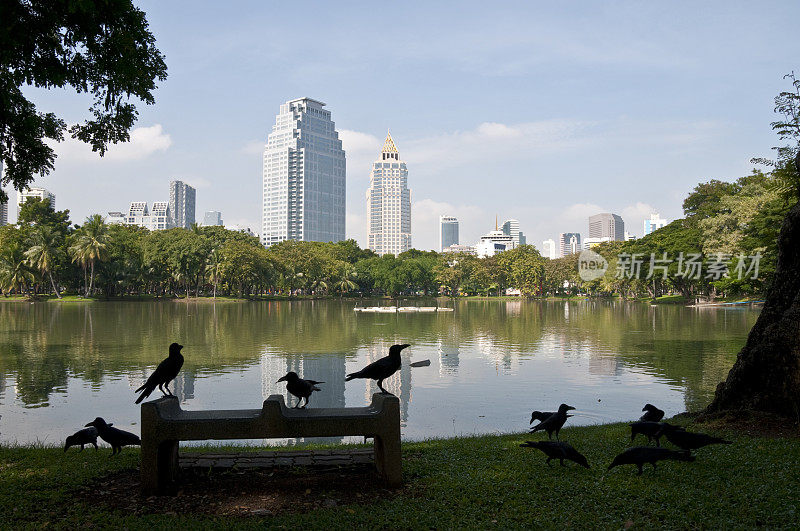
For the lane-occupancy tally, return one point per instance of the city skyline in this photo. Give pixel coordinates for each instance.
(516, 113)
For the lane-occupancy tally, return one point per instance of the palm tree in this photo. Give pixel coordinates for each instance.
(14, 270)
(91, 245)
(214, 268)
(43, 252)
(344, 282)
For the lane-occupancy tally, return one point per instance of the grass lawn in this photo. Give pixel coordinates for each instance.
(474, 482)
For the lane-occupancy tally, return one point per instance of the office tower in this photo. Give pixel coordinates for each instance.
(607, 226)
(492, 243)
(36, 193)
(654, 223)
(511, 228)
(304, 176)
(569, 243)
(549, 249)
(181, 204)
(3, 213)
(212, 218)
(448, 232)
(389, 203)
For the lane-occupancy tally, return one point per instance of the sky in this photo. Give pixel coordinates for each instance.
(545, 112)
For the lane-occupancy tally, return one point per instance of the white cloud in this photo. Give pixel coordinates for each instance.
(361, 150)
(144, 141)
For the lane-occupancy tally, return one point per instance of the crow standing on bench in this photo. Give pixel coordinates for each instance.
(166, 371)
(381, 369)
(299, 387)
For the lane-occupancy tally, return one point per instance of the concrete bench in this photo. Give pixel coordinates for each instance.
(164, 424)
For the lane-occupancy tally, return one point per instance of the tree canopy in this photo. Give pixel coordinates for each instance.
(103, 47)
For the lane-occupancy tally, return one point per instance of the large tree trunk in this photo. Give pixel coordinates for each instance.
(766, 375)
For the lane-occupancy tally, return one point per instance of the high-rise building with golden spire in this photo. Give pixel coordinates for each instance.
(389, 203)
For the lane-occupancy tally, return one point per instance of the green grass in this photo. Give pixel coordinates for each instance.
(475, 482)
(670, 299)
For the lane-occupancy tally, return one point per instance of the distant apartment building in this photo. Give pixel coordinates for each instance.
(569, 243)
(467, 249)
(242, 229)
(493, 242)
(448, 232)
(35, 193)
(212, 218)
(157, 218)
(303, 176)
(588, 243)
(607, 226)
(116, 218)
(182, 199)
(549, 249)
(654, 223)
(389, 203)
(511, 228)
(629, 237)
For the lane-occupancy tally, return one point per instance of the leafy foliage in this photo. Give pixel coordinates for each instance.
(104, 48)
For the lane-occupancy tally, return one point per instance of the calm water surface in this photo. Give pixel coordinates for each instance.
(492, 362)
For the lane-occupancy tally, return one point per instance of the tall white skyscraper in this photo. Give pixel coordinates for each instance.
(3, 213)
(304, 176)
(448, 232)
(181, 204)
(389, 203)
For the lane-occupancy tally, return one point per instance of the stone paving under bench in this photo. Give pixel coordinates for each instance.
(309, 458)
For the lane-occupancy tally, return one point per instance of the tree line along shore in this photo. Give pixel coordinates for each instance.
(44, 253)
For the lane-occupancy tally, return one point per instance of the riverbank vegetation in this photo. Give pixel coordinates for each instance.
(473, 482)
(725, 223)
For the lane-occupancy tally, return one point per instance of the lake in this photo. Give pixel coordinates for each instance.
(492, 362)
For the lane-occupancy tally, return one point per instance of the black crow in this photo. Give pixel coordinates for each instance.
(299, 387)
(115, 437)
(689, 441)
(653, 414)
(82, 437)
(652, 430)
(558, 450)
(381, 369)
(166, 371)
(639, 455)
(554, 422)
(540, 415)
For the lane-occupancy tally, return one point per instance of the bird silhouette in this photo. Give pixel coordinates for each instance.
(653, 414)
(554, 422)
(558, 450)
(540, 415)
(639, 455)
(381, 369)
(299, 387)
(114, 436)
(82, 437)
(687, 440)
(651, 430)
(166, 371)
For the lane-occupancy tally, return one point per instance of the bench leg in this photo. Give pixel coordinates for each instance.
(388, 458)
(159, 466)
